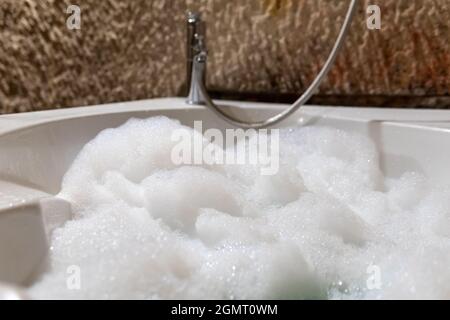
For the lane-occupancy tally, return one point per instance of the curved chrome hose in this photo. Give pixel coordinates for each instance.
(201, 59)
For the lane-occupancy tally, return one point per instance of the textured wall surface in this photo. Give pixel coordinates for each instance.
(134, 49)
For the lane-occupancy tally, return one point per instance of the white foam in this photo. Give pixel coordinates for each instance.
(147, 229)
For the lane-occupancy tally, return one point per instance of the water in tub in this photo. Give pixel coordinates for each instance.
(328, 224)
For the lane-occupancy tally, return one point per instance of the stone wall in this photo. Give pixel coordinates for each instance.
(259, 49)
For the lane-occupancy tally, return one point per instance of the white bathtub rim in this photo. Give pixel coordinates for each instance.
(439, 119)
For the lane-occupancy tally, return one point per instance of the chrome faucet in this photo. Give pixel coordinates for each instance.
(196, 58)
(196, 71)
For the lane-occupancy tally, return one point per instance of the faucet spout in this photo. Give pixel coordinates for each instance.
(196, 58)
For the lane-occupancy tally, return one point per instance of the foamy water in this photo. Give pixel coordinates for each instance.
(327, 225)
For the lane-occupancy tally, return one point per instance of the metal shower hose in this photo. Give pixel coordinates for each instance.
(304, 97)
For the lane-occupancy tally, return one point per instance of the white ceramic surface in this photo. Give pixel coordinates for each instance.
(37, 148)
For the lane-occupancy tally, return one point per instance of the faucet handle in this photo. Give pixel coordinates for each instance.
(195, 35)
(193, 17)
(200, 47)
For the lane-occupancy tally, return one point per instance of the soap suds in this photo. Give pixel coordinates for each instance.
(327, 225)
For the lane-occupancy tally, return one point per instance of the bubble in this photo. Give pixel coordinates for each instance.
(145, 228)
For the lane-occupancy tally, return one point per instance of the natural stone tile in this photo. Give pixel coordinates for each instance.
(128, 50)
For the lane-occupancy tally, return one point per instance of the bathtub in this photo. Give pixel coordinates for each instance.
(36, 149)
